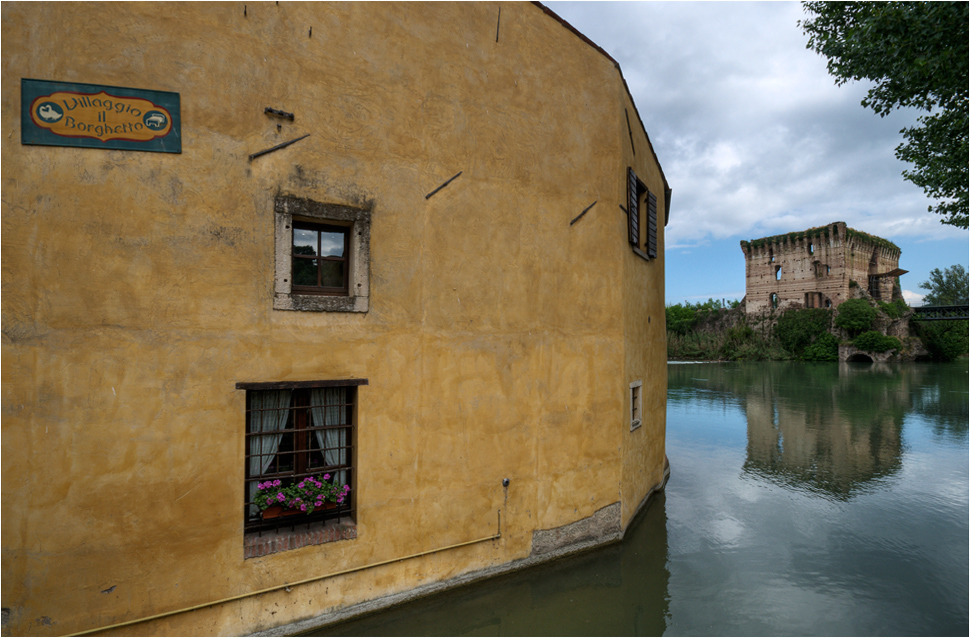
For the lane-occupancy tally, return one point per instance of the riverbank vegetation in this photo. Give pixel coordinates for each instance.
(718, 330)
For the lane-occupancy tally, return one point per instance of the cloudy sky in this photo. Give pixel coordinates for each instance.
(756, 139)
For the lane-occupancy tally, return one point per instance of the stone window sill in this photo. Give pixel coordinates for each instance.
(262, 544)
(320, 303)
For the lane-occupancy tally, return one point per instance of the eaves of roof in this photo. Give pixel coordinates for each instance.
(552, 14)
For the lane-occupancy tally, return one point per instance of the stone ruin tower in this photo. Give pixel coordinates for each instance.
(818, 268)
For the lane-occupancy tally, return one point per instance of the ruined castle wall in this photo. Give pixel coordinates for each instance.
(814, 268)
(867, 256)
(795, 272)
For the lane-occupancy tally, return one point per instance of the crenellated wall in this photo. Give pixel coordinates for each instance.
(815, 268)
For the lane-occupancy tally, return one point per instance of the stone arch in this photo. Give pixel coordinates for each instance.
(860, 357)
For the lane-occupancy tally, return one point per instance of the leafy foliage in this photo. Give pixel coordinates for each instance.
(855, 315)
(916, 53)
(824, 348)
(875, 341)
(798, 328)
(893, 309)
(944, 340)
(947, 288)
(739, 343)
(680, 318)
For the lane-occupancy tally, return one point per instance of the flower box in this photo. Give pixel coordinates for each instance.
(303, 497)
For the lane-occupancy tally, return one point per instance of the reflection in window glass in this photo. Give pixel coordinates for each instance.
(319, 258)
(305, 272)
(332, 273)
(332, 244)
(305, 242)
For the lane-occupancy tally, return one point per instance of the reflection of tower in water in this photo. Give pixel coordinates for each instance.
(834, 440)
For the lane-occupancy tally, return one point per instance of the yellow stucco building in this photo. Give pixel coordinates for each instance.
(441, 286)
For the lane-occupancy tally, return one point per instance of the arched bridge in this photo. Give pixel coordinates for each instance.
(940, 313)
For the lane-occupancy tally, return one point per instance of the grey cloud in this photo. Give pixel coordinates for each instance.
(753, 134)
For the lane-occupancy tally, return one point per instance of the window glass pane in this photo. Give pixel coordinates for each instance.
(315, 459)
(305, 241)
(304, 272)
(332, 273)
(283, 461)
(331, 244)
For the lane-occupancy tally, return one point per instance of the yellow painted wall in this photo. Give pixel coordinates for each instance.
(138, 289)
(644, 334)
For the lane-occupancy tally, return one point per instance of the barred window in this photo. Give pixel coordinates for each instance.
(300, 452)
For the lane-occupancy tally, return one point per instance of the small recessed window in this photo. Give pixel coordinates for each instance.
(636, 405)
(322, 256)
(777, 273)
(774, 300)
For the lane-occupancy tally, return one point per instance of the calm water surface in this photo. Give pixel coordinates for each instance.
(804, 499)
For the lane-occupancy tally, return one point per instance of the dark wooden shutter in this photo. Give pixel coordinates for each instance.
(651, 225)
(633, 207)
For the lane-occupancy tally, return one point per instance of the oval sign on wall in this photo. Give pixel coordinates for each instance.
(72, 114)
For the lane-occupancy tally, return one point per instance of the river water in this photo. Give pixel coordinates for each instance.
(804, 499)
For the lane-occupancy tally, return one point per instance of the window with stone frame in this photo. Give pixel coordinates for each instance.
(322, 256)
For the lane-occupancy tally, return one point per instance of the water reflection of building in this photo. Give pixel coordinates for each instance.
(824, 428)
(827, 441)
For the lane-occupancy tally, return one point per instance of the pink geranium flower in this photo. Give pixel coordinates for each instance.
(306, 494)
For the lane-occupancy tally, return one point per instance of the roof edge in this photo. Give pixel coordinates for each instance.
(555, 16)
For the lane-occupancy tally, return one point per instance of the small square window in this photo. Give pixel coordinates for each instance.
(322, 256)
(636, 405)
(320, 259)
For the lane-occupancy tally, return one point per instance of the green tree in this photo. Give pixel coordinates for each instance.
(917, 55)
(947, 288)
(875, 341)
(944, 340)
(797, 328)
(855, 315)
(680, 318)
(825, 348)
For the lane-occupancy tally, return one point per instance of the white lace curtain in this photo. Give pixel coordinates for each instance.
(269, 411)
(328, 410)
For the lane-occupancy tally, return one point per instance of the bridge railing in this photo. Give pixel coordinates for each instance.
(940, 313)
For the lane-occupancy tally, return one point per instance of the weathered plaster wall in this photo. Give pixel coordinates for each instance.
(138, 289)
(644, 333)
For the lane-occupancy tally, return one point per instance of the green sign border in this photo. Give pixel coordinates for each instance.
(32, 134)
